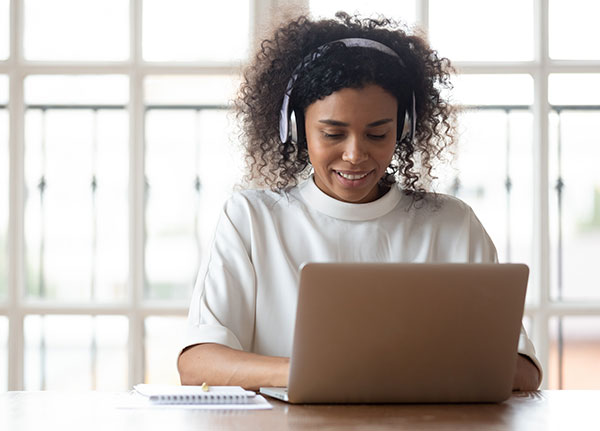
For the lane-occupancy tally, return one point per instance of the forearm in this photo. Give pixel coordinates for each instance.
(527, 376)
(216, 364)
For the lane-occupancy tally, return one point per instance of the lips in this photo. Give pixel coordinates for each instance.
(353, 176)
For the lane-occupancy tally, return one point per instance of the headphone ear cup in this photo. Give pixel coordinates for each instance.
(298, 135)
(293, 127)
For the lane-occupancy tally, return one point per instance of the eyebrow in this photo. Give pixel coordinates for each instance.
(342, 124)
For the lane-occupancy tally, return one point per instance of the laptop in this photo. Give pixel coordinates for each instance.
(405, 333)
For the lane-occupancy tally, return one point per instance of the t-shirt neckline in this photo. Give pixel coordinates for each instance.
(332, 207)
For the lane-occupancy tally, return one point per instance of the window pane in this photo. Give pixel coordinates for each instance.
(76, 353)
(190, 89)
(76, 225)
(76, 30)
(3, 90)
(505, 89)
(76, 90)
(190, 30)
(76, 215)
(4, 28)
(474, 30)
(577, 367)
(574, 31)
(574, 89)
(401, 10)
(575, 218)
(163, 339)
(3, 353)
(575, 212)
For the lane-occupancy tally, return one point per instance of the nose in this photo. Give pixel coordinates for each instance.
(355, 151)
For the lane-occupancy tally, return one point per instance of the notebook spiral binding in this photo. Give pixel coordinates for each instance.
(207, 398)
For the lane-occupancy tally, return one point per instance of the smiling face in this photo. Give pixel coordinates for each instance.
(351, 137)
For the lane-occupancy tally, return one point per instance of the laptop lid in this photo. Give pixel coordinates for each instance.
(416, 333)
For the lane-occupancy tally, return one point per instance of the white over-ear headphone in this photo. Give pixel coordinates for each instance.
(288, 127)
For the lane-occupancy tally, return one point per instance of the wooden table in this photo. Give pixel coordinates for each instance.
(541, 410)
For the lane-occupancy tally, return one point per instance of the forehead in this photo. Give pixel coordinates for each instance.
(370, 103)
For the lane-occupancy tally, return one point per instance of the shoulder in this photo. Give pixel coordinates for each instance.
(437, 206)
(442, 213)
(252, 198)
(255, 204)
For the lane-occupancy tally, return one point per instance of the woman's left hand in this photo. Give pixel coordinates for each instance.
(527, 376)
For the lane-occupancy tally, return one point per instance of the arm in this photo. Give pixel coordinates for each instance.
(527, 376)
(217, 364)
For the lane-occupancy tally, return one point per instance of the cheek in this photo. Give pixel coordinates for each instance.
(385, 154)
(319, 154)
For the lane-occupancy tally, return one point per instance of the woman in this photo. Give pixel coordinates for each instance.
(343, 121)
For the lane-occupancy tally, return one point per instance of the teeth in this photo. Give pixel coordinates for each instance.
(352, 177)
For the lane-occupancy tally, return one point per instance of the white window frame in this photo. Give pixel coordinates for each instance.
(136, 309)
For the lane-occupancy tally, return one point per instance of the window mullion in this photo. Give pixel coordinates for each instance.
(422, 7)
(137, 198)
(541, 183)
(16, 201)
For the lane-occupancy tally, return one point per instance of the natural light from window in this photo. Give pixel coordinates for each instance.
(574, 31)
(4, 28)
(474, 30)
(92, 30)
(191, 30)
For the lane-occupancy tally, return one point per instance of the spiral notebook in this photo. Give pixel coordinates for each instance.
(171, 394)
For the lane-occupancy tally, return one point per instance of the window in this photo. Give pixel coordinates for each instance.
(111, 182)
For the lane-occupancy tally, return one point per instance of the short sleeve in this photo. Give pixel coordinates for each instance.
(222, 309)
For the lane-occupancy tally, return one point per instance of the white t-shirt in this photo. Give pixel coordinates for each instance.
(245, 296)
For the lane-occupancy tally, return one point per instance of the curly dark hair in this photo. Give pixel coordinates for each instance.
(281, 165)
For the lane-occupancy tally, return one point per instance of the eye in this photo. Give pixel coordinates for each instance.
(332, 135)
(377, 136)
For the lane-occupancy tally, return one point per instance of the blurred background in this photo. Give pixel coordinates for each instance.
(117, 150)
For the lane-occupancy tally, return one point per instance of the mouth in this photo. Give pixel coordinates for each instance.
(352, 176)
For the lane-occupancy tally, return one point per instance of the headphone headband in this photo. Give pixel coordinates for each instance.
(284, 114)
